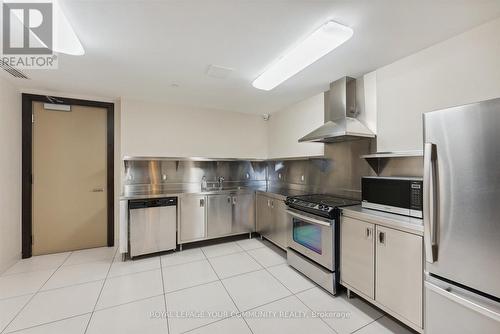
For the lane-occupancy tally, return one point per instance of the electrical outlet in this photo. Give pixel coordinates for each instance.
(164, 177)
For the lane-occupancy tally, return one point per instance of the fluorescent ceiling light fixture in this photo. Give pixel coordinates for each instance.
(328, 37)
(64, 37)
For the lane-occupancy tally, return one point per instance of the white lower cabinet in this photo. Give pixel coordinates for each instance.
(357, 266)
(399, 272)
(385, 266)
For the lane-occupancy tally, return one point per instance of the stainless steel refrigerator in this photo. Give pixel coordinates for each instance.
(462, 219)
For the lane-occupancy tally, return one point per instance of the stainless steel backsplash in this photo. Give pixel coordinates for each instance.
(156, 176)
(338, 173)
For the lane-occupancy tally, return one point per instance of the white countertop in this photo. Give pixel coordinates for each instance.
(399, 222)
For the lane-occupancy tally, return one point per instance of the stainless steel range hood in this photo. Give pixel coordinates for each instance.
(341, 123)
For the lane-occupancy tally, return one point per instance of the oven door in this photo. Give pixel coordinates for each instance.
(312, 236)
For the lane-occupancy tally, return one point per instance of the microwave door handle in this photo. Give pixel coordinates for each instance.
(429, 203)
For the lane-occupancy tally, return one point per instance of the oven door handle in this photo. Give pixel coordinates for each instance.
(308, 219)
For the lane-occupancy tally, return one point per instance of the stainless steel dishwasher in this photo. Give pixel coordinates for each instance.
(152, 225)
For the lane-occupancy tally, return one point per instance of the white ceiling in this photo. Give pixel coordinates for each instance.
(142, 49)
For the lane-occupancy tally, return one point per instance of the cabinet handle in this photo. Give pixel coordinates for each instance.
(268, 203)
(202, 202)
(234, 200)
(272, 204)
(381, 238)
(368, 233)
(229, 199)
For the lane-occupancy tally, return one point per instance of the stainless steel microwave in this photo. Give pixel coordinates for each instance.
(399, 195)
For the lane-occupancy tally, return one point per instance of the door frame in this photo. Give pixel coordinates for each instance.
(27, 163)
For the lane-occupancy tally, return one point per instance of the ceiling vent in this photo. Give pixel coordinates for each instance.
(219, 72)
(12, 71)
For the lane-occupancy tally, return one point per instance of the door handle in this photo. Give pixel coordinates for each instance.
(381, 238)
(429, 203)
(202, 202)
(98, 190)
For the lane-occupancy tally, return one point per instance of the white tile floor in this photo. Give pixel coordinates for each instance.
(232, 287)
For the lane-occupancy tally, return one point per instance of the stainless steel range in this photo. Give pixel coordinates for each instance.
(313, 246)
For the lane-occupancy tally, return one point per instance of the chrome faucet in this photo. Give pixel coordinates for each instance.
(204, 183)
(221, 180)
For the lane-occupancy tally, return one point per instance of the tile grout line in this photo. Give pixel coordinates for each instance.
(129, 302)
(240, 313)
(231, 297)
(133, 273)
(295, 294)
(302, 302)
(5, 273)
(321, 318)
(180, 264)
(48, 323)
(73, 285)
(100, 292)
(371, 322)
(317, 286)
(164, 296)
(34, 294)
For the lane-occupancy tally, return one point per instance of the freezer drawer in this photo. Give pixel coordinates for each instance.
(451, 309)
(152, 227)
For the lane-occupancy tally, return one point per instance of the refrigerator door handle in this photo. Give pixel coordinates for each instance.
(429, 203)
(455, 296)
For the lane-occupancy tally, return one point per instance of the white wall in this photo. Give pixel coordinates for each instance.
(156, 129)
(460, 70)
(366, 100)
(286, 126)
(118, 170)
(10, 175)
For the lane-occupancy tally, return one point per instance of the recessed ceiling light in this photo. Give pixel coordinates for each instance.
(219, 72)
(328, 37)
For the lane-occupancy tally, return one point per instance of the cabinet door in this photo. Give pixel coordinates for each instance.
(280, 224)
(399, 272)
(243, 213)
(357, 255)
(263, 215)
(192, 218)
(219, 215)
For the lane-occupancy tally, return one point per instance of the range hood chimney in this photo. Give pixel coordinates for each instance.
(341, 123)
